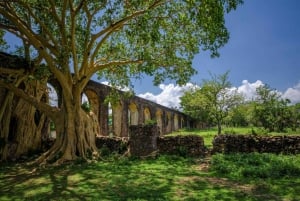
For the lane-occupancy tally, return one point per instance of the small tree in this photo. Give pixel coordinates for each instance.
(271, 111)
(212, 101)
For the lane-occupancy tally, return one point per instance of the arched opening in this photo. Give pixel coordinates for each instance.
(54, 101)
(176, 126)
(110, 120)
(147, 115)
(168, 122)
(117, 119)
(90, 102)
(133, 114)
(159, 122)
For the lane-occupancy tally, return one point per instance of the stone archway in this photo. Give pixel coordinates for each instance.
(147, 115)
(159, 120)
(133, 114)
(176, 124)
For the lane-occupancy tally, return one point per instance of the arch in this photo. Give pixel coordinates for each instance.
(110, 119)
(117, 113)
(159, 121)
(92, 99)
(53, 95)
(53, 100)
(147, 114)
(168, 122)
(176, 126)
(133, 114)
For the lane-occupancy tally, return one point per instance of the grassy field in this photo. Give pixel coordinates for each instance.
(220, 177)
(209, 134)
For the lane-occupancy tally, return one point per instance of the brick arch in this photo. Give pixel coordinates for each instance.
(134, 110)
(93, 100)
(147, 114)
(133, 114)
(159, 120)
(176, 122)
(168, 122)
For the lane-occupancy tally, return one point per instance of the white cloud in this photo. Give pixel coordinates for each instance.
(249, 89)
(170, 95)
(293, 94)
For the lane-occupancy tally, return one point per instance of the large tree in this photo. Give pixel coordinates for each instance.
(212, 101)
(119, 39)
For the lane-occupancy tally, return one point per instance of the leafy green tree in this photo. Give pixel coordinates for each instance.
(239, 115)
(271, 111)
(119, 40)
(212, 101)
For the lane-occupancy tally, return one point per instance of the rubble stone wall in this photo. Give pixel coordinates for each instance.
(112, 144)
(181, 145)
(252, 143)
(145, 141)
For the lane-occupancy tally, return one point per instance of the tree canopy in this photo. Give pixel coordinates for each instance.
(212, 102)
(118, 39)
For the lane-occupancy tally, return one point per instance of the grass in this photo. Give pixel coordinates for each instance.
(210, 133)
(222, 177)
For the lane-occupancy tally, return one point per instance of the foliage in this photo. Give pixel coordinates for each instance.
(271, 111)
(212, 101)
(86, 106)
(151, 122)
(119, 40)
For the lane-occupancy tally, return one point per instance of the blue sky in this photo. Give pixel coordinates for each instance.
(264, 47)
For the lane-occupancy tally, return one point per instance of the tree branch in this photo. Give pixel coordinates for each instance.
(43, 107)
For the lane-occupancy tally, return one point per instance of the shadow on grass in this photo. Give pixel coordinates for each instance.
(165, 178)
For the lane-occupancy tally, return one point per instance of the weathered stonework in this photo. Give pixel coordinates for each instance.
(112, 144)
(131, 111)
(143, 140)
(261, 144)
(191, 145)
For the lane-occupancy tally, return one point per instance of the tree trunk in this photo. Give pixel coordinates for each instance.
(21, 125)
(76, 133)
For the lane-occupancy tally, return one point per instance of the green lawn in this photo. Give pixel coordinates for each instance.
(209, 134)
(222, 177)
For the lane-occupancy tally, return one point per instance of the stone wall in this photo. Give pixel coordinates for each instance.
(181, 145)
(143, 140)
(261, 144)
(112, 144)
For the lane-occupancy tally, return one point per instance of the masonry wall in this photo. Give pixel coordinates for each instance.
(261, 144)
(181, 145)
(144, 141)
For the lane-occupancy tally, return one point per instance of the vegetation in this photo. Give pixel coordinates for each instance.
(225, 177)
(209, 133)
(271, 111)
(216, 103)
(212, 102)
(119, 40)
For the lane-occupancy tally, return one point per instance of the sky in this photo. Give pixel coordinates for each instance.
(264, 48)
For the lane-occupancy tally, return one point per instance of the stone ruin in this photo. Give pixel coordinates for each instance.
(260, 144)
